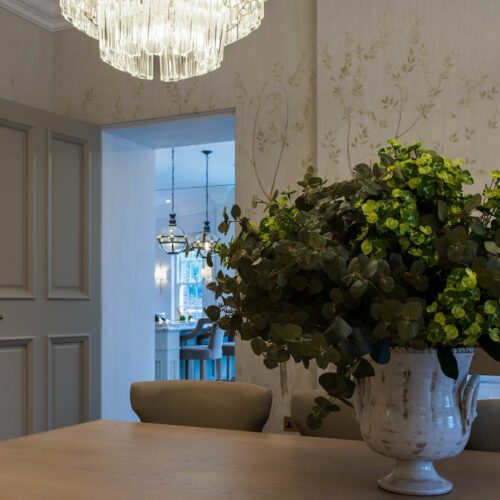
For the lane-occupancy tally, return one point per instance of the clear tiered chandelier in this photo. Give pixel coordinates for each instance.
(188, 36)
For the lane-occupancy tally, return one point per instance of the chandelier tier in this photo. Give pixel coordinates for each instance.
(188, 36)
(172, 238)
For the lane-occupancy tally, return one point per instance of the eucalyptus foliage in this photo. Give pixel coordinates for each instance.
(399, 255)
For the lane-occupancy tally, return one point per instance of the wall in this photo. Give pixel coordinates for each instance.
(412, 69)
(423, 70)
(127, 272)
(268, 78)
(26, 61)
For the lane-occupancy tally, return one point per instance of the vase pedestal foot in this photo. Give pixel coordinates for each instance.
(415, 477)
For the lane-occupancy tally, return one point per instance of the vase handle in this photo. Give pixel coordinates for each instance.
(359, 397)
(469, 400)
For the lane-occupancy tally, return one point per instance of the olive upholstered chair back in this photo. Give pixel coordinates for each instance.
(202, 403)
(485, 430)
(339, 425)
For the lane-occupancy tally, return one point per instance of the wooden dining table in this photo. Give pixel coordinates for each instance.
(111, 460)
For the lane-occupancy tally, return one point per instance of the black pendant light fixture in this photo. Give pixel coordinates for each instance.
(172, 238)
(205, 241)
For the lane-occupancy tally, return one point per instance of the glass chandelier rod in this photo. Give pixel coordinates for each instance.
(188, 37)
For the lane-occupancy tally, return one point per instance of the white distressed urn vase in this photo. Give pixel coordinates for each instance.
(412, 412)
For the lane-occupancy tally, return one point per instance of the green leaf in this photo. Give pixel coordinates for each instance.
(491, 247)
(447, 361)
(210, 262)
(364, 369)
(491, 347)
(299, 282)
(336, 295)
(271, 362)
(223, 227)
(478, 228)
(314, 421)
(315, 287)
(287, 332)
(235, 211)
(316, 241)
(407, 329)
(258, 345)
(281, 279)
(225, 323)
(472, 203)
(386, 160)
(442, 210)
(340, 327)
(318, 342)
(358, 288)
(337, 385)
(412, 310)
(362, 171)
(213, 312)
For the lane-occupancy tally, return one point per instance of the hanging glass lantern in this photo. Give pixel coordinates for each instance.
(172, 239)
(205, 241)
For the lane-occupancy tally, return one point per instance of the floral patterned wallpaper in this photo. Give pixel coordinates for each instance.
(423, 70)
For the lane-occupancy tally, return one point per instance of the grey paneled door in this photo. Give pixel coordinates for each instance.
(50, 216)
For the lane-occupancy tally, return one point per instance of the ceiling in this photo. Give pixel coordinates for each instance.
(179, 132)
(190, 166)
(44, 13)
(192, 202)
(189, 136)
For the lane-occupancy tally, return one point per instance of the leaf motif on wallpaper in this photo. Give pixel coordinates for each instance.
(87, 99)
(137, 97)
(492, 121)
(274, 130)
(241, 91)
(416, 90)
(118, 108)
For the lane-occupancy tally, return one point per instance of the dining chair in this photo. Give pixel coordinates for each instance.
(228, 350)
(197, 330)
(339, 425)
(204, 353)
(202, 403)
(485, 430)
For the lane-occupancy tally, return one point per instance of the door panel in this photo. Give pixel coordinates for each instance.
(16, 201)
(16, 387)
(50, 225)
(68, 217)
(68, 380)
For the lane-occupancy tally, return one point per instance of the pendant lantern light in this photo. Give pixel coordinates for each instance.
(172, 238)
(205, 241)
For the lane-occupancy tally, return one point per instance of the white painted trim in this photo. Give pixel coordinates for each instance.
(37, 17)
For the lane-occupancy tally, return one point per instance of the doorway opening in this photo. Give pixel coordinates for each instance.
(153, 299)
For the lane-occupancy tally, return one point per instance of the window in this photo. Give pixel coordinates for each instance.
(189, 296)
